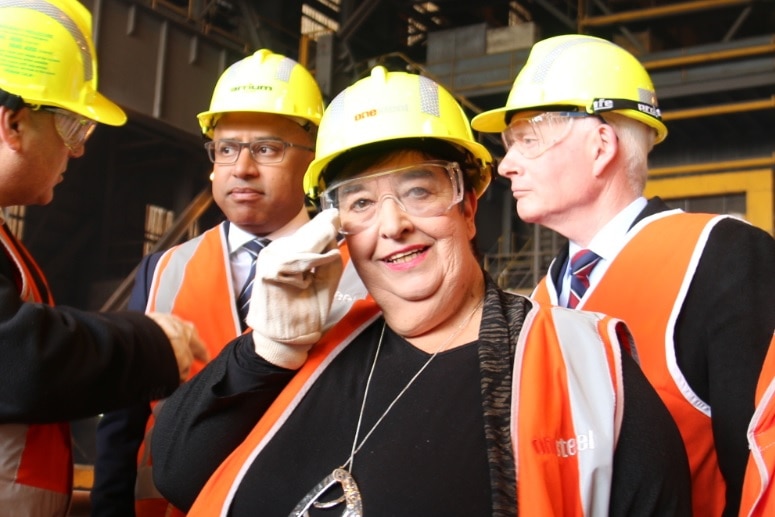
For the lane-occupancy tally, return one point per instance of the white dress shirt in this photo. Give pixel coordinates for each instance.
(240, 259)
(606, 243)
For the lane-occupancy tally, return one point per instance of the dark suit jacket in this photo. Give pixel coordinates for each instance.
(723, 332)
(120, 433)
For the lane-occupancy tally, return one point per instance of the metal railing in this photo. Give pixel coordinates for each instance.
(118, 300)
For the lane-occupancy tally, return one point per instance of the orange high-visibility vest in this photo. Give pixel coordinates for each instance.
(564, 447)
(36, 468)
(758, 498)
(193, 281)
(648, 296)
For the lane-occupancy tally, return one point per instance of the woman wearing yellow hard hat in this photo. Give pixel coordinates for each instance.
(451, 397)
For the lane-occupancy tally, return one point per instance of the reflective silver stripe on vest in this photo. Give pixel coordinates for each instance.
(756, 440)
(171, 278)
(593, 400)
(21, 500)
(168, 283)
(17, 499)
(760, 438)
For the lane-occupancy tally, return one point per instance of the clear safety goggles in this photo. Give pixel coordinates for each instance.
(74, 129)
(262, 150)
(426, 189)
(535, 135)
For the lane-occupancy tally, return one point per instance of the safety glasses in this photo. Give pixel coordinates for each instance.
(74, 129)
(535, 135)
(425, 189)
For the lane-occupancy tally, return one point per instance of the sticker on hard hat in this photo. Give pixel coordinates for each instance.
(21, 52)
(602, 105)
(649, 110)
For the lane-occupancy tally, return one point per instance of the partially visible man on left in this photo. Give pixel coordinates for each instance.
(60, 363)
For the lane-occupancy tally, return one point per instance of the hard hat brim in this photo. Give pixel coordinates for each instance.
(493, 121)
(100, 109)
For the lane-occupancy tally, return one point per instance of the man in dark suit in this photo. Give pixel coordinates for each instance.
(695, 289)
(261, 127)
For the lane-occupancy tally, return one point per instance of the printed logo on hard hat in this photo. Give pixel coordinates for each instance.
(246, 67)
(62, 19)
(382, 110)
(428, 95)
(251, 88)
(603, 105)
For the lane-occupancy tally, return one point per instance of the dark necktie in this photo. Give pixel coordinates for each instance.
(253, 247)
(581, 265)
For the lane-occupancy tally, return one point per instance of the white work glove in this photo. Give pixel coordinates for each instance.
(296, 278)
(185, 341)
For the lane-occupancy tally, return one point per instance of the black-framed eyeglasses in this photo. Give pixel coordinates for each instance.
(262, 150)
(73, 128)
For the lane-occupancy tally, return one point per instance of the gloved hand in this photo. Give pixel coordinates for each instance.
(185, 341)
(296, 278)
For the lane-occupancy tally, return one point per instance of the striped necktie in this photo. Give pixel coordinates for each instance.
(581, 265)
(253, 247)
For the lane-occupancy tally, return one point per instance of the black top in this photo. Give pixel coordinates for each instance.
(435, 429)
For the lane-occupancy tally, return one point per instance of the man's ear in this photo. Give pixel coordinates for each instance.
(606, 147)
(10, 123)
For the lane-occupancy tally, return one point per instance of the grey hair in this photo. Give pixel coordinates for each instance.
(636, 140)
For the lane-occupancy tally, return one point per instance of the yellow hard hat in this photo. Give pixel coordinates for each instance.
(265, 82)
(389, 106)
(583, 71)
(47, 58)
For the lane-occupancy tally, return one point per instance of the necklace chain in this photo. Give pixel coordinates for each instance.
(357, 446)
(351, 496)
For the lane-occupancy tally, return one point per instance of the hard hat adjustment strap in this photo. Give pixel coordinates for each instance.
(602, 105)
(11, 101)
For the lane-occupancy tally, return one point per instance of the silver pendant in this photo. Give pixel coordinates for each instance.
(351, 498)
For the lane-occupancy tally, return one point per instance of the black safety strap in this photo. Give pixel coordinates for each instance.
(602, 105)
(9, 100)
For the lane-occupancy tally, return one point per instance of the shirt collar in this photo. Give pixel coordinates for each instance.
(611, 237)
(238, 237)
